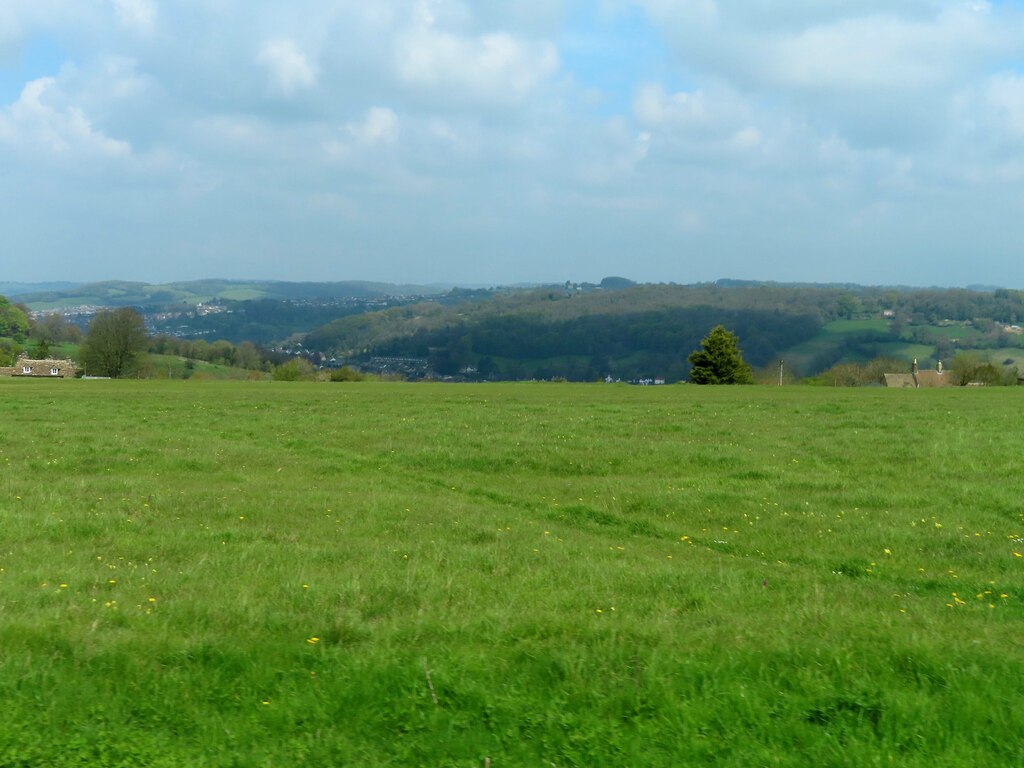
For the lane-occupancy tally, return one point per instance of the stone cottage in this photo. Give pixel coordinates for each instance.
(41, 369)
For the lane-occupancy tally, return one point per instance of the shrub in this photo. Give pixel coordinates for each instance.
(347, 374)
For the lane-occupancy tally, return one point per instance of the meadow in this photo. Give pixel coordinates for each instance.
(268, 573)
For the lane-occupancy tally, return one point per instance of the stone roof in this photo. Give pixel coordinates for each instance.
(40, 368)
(922, 379)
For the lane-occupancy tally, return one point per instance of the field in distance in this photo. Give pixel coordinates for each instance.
(262, 573)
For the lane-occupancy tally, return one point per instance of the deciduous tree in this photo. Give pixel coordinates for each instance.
(114, 342)
(13, 321)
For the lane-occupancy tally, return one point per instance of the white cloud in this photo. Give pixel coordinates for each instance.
(380, 126)
(844, 44)
(137, 15)
(494, 67)
(477, 128)
(880, 52)
(652, 106)
(1006, 96)
(32, 125)
(287, 67)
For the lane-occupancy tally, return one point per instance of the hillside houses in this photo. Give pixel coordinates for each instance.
(41, 369)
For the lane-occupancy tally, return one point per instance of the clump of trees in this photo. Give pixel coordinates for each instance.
(14, 322)
(245, 355)
(860, 374)
(295, 369)
(54, 328)
(719, 360)
(115, 340)
(14, 325)
(968, 368)
(345, 373)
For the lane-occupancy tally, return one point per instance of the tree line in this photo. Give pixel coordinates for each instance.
(592, 346)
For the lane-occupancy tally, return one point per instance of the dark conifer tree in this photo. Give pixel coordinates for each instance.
(719, 360)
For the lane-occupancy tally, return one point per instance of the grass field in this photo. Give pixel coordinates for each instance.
(265, 574)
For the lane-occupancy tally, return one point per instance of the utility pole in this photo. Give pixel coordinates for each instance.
(781, 362)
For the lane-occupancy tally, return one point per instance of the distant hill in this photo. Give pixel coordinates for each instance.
(18, 289)
(647, 331)
(629, 332)
(146, 295)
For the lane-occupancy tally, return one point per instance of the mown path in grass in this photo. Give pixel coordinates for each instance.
(263, 573)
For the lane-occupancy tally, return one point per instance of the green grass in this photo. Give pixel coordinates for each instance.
(964, 333)
(906, 350)
(998, 356)
(257, 574)
(242, 294)
(846, 327)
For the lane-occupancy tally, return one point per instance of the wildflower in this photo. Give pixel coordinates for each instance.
(313, 640)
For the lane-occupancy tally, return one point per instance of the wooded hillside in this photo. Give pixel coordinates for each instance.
(647, 330)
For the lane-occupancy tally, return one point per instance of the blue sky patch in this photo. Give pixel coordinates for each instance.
(40, 57)
(613, 53)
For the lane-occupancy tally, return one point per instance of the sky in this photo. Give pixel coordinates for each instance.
(508, 141)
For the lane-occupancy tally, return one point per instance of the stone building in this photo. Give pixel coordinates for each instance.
(41, 369)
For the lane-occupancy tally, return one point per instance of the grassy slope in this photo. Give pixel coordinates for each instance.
(253, 574)
(172, 366)
(831, 337)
